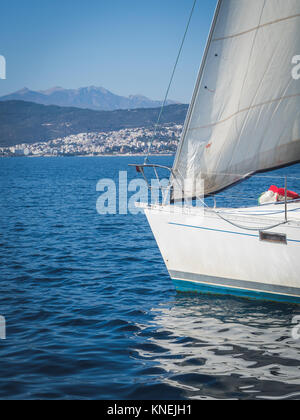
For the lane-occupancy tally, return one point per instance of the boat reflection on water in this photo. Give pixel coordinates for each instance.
(212, 347)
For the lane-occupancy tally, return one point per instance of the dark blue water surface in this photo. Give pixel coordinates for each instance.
(92, 314)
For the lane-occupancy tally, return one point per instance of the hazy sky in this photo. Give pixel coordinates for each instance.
(126, 46)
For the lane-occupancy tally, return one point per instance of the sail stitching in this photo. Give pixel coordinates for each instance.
(245, 110)
(247, 116)
(256, 28)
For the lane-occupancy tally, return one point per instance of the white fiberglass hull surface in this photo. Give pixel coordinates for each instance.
(205, 253)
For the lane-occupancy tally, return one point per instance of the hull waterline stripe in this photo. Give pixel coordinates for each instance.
(186, 286)
(223, 231)
(236, 284)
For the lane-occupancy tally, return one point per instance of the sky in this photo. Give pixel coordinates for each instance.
(127, 46)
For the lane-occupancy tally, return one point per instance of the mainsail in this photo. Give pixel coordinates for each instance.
(245, 112)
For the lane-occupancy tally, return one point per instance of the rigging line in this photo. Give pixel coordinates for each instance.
(197, 87)
(171, 80)
(248, 228)
(254, 229)
(265, 228)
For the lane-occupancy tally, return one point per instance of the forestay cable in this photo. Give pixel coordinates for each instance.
(171, 80)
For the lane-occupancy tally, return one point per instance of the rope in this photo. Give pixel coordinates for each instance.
(240, 226)
(170, 83)
(248, 228)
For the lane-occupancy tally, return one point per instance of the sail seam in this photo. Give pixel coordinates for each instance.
(245, 110)
(256, 28)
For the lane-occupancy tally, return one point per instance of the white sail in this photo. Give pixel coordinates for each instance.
(245, 113)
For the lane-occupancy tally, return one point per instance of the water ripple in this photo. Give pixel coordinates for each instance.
(91, 312)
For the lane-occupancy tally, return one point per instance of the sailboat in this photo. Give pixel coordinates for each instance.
(244, 119)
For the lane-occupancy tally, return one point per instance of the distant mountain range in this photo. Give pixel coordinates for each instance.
(95, 98)
(27, 122)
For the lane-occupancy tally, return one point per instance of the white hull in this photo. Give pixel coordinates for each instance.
(205, 253)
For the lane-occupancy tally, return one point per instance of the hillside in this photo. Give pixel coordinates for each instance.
(27, 122)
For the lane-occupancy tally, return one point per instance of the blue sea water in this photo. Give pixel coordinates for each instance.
(92, 314)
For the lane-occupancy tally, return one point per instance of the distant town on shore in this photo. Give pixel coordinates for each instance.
(131, 141)
(60, 122)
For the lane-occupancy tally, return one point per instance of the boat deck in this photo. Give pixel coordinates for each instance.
(265, 215)
(273, 210)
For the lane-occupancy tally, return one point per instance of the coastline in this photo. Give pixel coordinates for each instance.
(88, 156)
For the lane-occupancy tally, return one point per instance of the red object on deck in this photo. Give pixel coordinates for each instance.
(281, 192)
